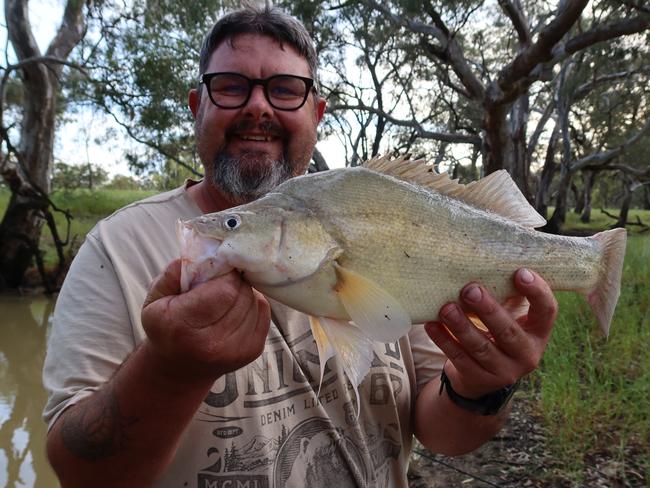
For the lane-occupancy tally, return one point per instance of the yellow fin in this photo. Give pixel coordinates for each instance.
(325, 348)
(372, 308)
(497, 192)
(354, 349)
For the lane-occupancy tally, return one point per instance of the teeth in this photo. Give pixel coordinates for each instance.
(256, 138)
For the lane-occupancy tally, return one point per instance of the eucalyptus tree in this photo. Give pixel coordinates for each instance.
(29, 92)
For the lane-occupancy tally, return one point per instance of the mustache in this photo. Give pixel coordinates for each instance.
(267, 128)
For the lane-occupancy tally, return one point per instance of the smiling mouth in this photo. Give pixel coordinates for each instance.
(256, 138)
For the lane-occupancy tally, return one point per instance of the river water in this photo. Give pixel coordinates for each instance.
(24, 325)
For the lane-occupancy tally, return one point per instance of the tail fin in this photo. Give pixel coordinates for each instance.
(604, 296)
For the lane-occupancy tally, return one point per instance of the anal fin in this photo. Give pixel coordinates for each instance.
(352, 347)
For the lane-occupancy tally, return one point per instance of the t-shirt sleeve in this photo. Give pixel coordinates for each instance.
(91, 332)
(427, 356)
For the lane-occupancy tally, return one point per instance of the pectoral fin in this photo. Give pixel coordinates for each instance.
(353, 349)
(378, 314)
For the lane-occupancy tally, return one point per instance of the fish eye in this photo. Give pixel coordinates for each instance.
(232, 222)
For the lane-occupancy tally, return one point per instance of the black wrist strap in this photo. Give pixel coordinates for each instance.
(488, 404)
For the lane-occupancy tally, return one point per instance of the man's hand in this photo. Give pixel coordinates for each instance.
(217, 327)
(482, 362)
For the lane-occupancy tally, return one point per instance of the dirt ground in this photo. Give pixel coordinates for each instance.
(518, 457)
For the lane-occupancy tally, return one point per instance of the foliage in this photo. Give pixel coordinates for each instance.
(142, 62)
(123, 182)
(69, 177)
(31, 84)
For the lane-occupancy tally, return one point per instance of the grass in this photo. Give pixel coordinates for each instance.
(600, 220)
(87, 207)
(594, 391)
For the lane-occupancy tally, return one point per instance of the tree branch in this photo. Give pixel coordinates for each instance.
(453, 54)
(71, 31)
(150, 144)
(601, 158)
(425, 134)
(584, 89)
(606, 32)
(516, 15)
(541, 50)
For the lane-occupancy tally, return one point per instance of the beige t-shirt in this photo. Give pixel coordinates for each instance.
(262, 425)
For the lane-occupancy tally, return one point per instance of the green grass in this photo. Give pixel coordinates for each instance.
(595, 392)
(600, 221)
(87, 207)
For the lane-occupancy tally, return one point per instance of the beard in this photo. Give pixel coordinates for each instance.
(250, 176)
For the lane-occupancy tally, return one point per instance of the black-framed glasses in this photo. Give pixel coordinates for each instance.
(233, 90)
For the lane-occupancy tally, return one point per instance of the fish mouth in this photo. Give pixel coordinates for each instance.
(201, 259)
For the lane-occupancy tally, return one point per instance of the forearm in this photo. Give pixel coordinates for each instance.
(445, 428)
(126, 433)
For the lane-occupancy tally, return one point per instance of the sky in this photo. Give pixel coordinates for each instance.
(75, 141)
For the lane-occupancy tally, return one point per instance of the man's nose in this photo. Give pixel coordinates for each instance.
(258, 106)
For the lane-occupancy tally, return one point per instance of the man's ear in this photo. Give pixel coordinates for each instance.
(193, 100)
(321, 104)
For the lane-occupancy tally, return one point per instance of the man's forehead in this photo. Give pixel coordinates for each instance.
(247, 42)
(249, 47)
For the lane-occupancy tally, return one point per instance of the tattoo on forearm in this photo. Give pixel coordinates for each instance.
(96, 429)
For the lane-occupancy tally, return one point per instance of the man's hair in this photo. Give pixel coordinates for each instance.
(267, 21)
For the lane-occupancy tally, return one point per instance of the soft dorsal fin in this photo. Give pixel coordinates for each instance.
(496, 193)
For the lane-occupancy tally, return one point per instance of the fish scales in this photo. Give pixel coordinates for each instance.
(409, 236)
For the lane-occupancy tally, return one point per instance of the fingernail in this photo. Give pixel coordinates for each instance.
(526, 276)
(450, 312)
(472, 293)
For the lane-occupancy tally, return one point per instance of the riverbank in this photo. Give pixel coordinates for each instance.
(521, 456)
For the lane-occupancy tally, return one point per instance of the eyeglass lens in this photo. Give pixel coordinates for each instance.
(229, 90)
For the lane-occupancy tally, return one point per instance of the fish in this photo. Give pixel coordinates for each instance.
(368, 251)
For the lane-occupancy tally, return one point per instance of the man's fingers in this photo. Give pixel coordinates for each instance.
(165, 284)
(507, 333)
(543, 305)
(474, 342)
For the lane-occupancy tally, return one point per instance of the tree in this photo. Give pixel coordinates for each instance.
(69, 177)
(26, 153)
(519, 62)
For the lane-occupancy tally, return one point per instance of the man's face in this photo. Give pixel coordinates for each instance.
(249, 150)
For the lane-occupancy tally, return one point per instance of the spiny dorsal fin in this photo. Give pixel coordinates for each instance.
(497, 192)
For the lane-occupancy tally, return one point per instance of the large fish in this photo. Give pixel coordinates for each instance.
(368, 251)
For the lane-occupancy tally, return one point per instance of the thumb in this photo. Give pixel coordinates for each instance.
(165, 284)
